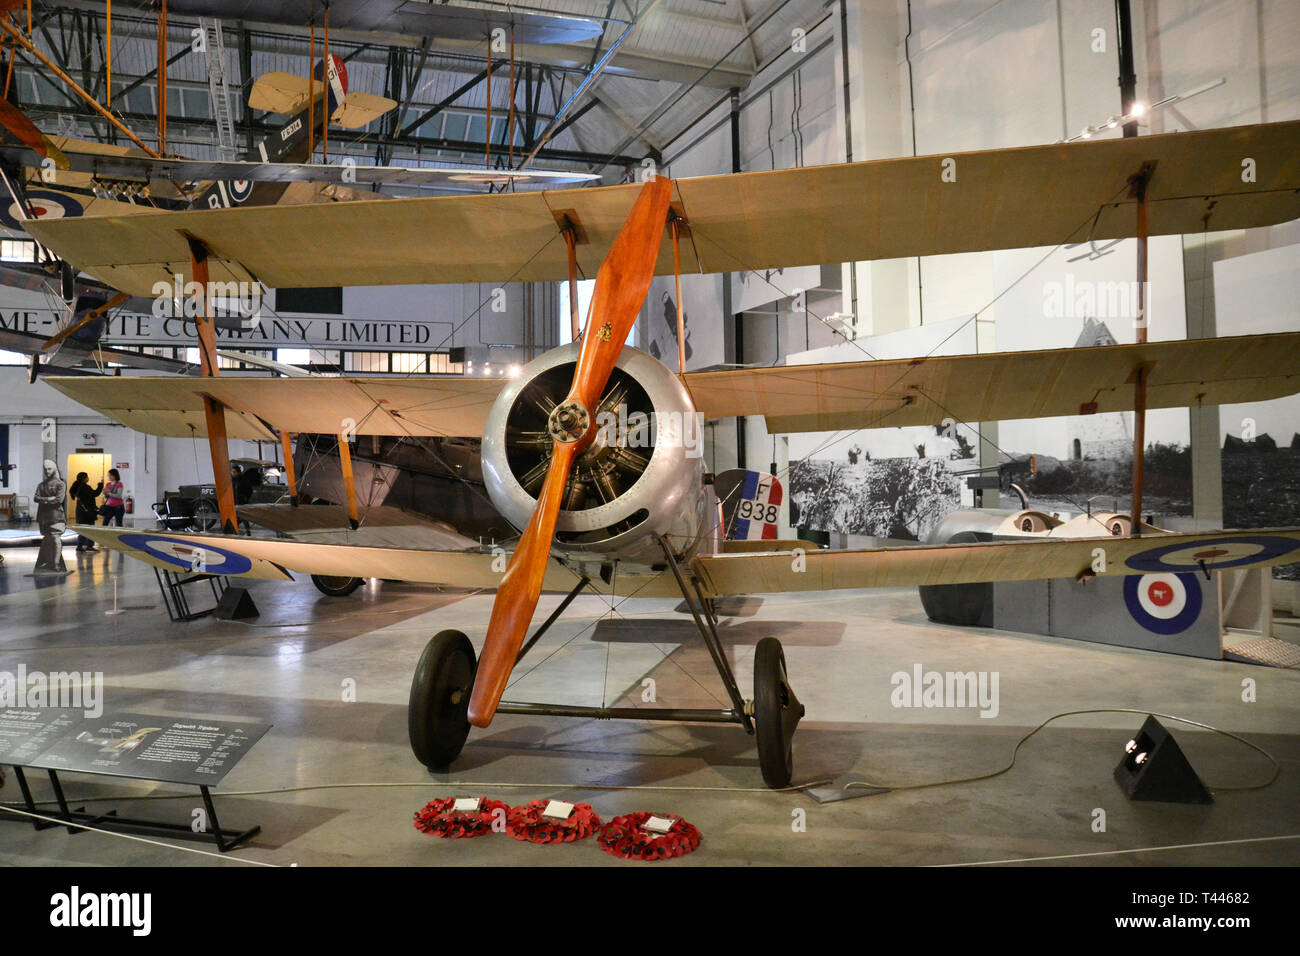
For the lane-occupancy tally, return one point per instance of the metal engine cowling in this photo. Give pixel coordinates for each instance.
(641, 478)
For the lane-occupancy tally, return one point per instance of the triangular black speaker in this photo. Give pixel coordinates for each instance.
(236, 603)
(1154, 768)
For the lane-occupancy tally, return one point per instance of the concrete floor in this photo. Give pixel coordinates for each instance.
(289, 666)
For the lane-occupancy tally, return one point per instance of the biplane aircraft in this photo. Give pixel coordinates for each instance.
(603, 508)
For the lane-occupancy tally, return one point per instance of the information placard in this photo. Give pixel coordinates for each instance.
(186, 750)
(26, 732)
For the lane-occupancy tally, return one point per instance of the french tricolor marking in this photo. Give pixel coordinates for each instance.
(759, 509)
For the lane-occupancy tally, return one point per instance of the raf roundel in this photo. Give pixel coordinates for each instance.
(1213, 554)
(187, 555)
(43, 204)
(240, 190)
(1163, 603)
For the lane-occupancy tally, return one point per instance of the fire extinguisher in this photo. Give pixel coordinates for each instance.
(130, 505)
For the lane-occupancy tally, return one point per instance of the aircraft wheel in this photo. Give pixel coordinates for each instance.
(206, 517)
(335, 585)
(438, 715)
(777, 713)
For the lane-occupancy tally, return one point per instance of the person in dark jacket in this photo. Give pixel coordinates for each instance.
(84, 497)
(245, 483)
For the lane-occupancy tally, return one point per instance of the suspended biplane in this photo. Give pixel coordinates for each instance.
(601, 510)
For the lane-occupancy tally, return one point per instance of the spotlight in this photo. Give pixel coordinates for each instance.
(514, 371)
(1154, 768)
(1086, 132)
(1138, 109)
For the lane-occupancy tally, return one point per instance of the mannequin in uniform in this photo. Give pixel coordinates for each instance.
(52, 517)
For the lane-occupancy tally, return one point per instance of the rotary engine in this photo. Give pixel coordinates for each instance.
(640, 478)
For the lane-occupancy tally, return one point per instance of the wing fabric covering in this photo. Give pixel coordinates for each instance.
(748, 572)
(1003, 386)
(815, 215)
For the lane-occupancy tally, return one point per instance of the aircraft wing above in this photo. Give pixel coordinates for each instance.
(1002, 386)
(113, 166)
(173, 407)
(30, 343)
(880, 209)
(997, 386)
(743, 573)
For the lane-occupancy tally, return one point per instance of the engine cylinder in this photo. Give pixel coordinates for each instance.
(640, 478)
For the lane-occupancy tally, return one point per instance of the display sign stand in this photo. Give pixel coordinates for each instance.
(186, 751)
(110, 821)
(172, 585)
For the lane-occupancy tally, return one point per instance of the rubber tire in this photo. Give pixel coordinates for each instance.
(771, 698)
(437, 716)
(206, 519)
(964, 605)
(329, 585)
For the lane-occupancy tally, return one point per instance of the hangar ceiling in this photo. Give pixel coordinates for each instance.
(659, 65)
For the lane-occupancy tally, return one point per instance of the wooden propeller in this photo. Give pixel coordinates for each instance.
(61, 337)
(621, 287)
(16, 122)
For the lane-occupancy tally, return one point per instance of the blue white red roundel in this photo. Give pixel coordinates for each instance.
(190, 556)
(239, 189)
(1213, 554)
(1163, 603)
(44, 205)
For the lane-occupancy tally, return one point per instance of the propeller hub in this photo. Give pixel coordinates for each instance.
(568, 422)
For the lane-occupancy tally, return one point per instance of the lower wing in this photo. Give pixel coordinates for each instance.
(735, 573)
(1022, 560)
(276, 558)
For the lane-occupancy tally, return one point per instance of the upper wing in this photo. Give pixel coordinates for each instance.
(173, 407)
(1000, 386)
(883, 209)
(1021, 560)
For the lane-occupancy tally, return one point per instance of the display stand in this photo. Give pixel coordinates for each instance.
(111, 821)
(173, 584)
(186, 751)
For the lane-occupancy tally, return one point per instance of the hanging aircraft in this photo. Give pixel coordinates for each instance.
(608, 505)
(54, 177)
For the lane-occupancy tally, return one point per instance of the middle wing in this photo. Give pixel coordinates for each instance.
(922, 391)
(173, 407)
(1003, 386)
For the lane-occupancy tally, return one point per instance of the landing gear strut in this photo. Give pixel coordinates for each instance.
(438, 720)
